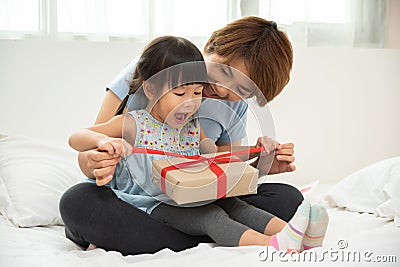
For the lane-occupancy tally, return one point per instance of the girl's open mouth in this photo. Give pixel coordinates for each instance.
(181, 117)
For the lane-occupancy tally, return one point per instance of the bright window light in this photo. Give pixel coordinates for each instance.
(127, 17)
(19, 15)
(189, 18)
(352, 23)
(327, 11)
(312, 11)
(115, 17)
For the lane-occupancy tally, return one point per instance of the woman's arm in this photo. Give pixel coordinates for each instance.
(108, 108)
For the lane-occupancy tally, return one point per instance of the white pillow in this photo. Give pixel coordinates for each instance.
(373, 189)
(33, 176)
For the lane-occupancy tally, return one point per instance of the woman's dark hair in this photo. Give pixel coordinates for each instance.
(161, 63)
(265, 49)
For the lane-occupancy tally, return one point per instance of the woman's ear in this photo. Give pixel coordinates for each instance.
(149, 90)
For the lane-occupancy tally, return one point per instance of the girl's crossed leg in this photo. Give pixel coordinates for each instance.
(232, 222)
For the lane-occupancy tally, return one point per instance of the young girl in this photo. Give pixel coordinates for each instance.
(172, 92)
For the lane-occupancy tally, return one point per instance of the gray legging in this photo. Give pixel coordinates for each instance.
(224, 220)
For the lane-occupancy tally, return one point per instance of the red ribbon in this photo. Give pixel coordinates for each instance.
(222, 158)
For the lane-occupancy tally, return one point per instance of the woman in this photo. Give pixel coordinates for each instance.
(95, 215)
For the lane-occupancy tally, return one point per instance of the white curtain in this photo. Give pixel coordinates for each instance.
(99, 20)
(20, 16)
(352, 23)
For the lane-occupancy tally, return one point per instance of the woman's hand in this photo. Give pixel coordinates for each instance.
(99, 165)
(277, 158)
(283, 159)
(266, 157)
(104, 160)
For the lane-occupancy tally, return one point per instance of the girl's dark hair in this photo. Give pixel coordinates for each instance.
(156, 65)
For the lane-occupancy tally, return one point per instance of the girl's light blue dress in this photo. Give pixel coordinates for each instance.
(132, 180)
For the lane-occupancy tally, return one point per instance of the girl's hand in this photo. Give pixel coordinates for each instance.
(115, 146)
(269, 145)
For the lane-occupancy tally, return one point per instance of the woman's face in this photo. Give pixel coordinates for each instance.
(228, 82)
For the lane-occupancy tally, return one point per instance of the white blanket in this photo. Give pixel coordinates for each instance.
(47, 246)
(374, 189)
(30, 194)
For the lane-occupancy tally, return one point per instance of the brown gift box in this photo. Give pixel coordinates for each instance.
(199, 183)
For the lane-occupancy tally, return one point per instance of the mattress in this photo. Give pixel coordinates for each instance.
(352, 239)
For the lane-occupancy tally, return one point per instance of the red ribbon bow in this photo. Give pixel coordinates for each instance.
(222, 158)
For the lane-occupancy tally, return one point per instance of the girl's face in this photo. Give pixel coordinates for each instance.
(176, 105)
(228, 82)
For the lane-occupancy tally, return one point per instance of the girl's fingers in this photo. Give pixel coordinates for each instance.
(121, 147)
(264, 144)
(117, 148)
(107, 147)
(268, 144)
(126, 149)
(277, 146)
(271, 145)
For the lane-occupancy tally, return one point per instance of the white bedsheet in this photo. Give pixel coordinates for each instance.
(373, 189)
(47, 246)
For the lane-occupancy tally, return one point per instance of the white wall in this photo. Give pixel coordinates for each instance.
(51, 88)
(340, 107)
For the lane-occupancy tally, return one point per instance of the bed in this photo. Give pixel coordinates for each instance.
(364, 210)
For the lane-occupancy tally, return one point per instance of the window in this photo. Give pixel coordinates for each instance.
(310, 22)
(325, 22)
(19, 15)
(111, 17)
(313, 11)
(307, 22)
(195, 20)
(105, 19)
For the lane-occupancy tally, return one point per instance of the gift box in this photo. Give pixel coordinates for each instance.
(211, 176)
